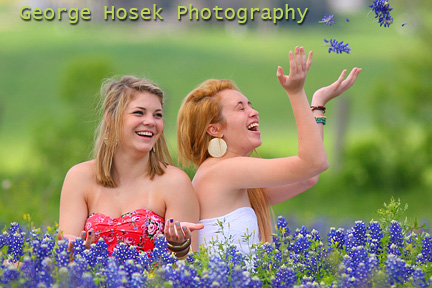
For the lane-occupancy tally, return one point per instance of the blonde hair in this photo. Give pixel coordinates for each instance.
(200, 108)
(117, 94)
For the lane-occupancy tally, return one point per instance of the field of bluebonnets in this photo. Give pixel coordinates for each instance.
(378, 140)
(382, 253)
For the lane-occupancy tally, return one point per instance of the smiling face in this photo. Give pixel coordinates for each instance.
(241, 127)
(142, 122)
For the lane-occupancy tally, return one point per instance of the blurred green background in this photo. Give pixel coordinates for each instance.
(378, 135)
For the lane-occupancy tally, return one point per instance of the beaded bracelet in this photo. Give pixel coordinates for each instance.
(181, 247)
(321, 108)
(321, 119)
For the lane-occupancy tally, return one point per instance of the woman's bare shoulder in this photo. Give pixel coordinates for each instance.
(174, 175)
(84, 171)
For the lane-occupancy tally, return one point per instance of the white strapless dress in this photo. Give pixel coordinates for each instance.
(234, 228)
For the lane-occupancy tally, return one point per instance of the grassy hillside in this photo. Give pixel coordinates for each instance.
(36, 56)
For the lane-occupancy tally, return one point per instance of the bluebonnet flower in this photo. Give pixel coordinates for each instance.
(42, 249)
(282, 226)
(233, 255)
(327, 19)
(29, 272)
(87, 281)
(382, 12)
(3, 239)
(144, 260)
(218, 273)
(396, 238)
(255, 282)
(427, 248)
(78, 247)
(303, 231)
(398, 270)
(113, 274)
(14, 228)
(268, 258)
(419, 278)
(123, 252)
(9, 274)
(350, 241)
(44, 273)
(357, 267)
(285, 277)
(337, 47)
(16, 245)
(346, 19)
(403, 24)
(98, 253)
(301, 244)
(281, 232)
(336, 237)
(62, 255)
(76, 269)
(374, 237)
(137, 280)
(181, 276)
(359, 232)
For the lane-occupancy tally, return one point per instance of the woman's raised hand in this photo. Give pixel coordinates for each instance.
(325, 94)
(299, 66)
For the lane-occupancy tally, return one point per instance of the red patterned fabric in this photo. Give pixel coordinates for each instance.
(139, 228)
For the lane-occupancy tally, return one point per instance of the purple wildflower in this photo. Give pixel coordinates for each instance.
(382, 12)
(374, 237)
(62, 254)
(285, 277)
(336, 237)
(327, 19)
(337, 47)
(9, 274)
(398, 270)
(396, 238)
(16, 246)
(281, 232)
(427, 248)
(359, 232)
(181, 276)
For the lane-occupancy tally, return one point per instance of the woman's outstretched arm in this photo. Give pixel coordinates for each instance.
(248, 172)
(320, 98)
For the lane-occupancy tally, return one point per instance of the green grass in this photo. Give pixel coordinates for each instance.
(35, 56)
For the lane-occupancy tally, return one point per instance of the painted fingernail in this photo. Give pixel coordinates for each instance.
(171, 220)
(90, 232)
(177, 224)
(184, 227)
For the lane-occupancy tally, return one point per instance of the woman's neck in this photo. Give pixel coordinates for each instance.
(130, 166)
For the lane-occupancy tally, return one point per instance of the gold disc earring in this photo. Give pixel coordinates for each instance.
(217, 147)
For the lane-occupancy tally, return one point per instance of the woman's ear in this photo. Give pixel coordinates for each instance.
(214, 130)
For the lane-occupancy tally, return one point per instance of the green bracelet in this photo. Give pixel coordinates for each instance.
(321, 119)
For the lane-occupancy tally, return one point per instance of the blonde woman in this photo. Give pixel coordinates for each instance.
(129, 192)
(217, 131)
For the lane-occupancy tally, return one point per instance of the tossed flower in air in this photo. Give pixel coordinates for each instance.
(382, 12)
(327, 19)
(337, 47)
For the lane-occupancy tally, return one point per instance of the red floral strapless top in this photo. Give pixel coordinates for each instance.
(139, 228)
